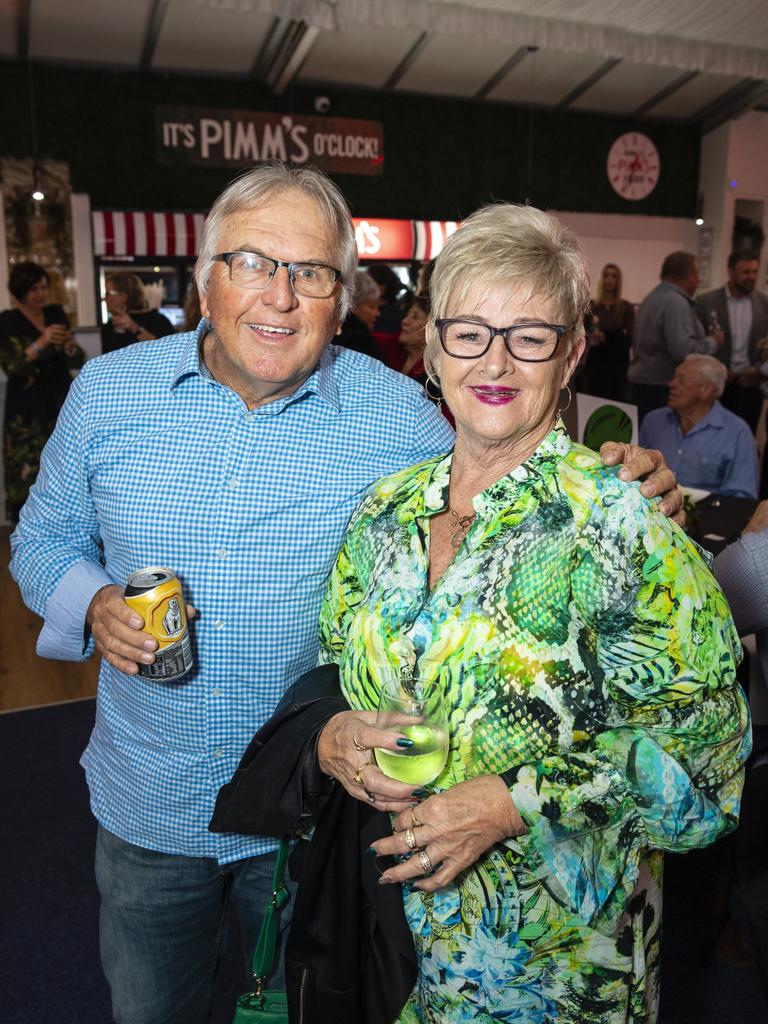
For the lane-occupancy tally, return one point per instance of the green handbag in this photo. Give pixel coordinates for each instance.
(267, 1006)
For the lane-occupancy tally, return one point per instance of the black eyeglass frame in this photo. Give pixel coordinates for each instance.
(559, 329)
(226, 257)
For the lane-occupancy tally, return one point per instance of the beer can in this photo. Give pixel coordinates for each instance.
(155, 593)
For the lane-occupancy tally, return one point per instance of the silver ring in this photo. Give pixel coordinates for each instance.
(425, 862)
(371, 796)
(410, 839)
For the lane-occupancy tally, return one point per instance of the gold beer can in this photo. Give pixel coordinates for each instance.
(155, 593)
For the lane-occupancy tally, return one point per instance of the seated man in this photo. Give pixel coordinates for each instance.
(707, 446)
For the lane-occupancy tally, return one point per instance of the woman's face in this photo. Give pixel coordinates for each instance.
(115, 299)
(494, 398)
(37, 296)
(367, 311)
(412, 329)
(610, 280)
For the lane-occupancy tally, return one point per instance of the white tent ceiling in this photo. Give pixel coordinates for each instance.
(698, 60)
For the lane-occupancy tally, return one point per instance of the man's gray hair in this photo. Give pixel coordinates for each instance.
(711, 370)
(263, 183)
(518, 247)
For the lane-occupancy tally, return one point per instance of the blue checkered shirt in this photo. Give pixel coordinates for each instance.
(153, 462)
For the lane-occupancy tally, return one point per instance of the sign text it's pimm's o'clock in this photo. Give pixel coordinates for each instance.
(224, 138)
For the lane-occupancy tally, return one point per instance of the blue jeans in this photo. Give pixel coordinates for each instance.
(162, 923)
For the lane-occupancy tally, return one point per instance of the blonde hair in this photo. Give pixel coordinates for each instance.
(601, 295)
(507, 244)
(263, 183)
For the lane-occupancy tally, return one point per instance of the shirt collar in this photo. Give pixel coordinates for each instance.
(429, 497)
(320, 382)
(715, 418)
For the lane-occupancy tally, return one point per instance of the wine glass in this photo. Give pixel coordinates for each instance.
(414, 709)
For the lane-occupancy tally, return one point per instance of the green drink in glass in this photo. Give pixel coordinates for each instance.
(415, 710)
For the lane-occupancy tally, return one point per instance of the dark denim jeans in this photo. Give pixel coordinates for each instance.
(162, 924)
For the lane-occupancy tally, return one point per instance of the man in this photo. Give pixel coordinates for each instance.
(666, 331)
(707, 446)
(742, 311)
(741, 570)
(235, 455)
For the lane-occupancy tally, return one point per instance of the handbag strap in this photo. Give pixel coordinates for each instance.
(264, 953)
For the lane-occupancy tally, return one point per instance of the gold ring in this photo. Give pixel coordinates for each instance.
(358, 776)
(415, 823)
(425, 862)
(410, 839)
(355, 743)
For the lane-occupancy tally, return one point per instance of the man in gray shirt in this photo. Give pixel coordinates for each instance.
(666, 331)
(742, 310)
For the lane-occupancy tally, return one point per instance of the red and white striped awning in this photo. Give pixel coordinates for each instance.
(117, 233)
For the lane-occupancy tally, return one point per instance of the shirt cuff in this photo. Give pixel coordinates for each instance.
(63, 634)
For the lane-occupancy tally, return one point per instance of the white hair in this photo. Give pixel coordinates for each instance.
(365, 288)
(711, 370)
(263, 183)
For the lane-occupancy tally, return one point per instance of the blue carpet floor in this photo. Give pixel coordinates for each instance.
(48, 934)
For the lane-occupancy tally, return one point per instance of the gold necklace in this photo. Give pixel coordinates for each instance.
(461, 527)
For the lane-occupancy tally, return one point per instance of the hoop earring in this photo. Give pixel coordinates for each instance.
(437, 398)
(565, 408)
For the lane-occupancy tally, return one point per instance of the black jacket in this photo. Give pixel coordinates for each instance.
(349, 956)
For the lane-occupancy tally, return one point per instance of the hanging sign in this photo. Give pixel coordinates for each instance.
(233, 138)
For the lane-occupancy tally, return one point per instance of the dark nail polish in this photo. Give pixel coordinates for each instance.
(419, 792)
(403, 741)
(371, 851)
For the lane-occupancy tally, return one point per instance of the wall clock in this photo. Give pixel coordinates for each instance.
(633, 165)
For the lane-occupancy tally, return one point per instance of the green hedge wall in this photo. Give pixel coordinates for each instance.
(444, 157)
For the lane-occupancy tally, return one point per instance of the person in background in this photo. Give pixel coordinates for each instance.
(707, 446)
(355, 332)
(192, 314)
(413, 339)
(392, 298)
(130, 319)
(585, 655)
(609, 339)
(741, 310)
(666, 331)
(37, 354)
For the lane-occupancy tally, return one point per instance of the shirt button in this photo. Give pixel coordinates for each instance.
(222, 552)
(218, 624)
(234, 482)
(218, 752)
(216, 691)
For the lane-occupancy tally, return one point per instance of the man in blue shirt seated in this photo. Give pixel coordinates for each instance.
(234, 455)
(707, 446)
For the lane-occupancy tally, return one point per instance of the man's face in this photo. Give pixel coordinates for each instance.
(693, 279)
(266, 343)
(742, 277)
(688, 389)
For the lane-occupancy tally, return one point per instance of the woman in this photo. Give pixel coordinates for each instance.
(37, 352)
(586, 656)
(130, 319)
(610, 338)
(356, 330)
(413, 339)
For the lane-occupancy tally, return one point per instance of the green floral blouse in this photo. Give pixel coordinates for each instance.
(586, 651)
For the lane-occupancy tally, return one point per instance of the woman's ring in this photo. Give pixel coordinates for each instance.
(410, 839)
(425, 862)
(356, 744)
(371, 796)
(415, 823)
(358, 776)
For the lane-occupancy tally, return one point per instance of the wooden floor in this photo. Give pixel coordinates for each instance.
(26, 680)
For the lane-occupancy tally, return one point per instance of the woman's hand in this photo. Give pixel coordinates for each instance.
(345, 751)
(451, 831)
(649, 464)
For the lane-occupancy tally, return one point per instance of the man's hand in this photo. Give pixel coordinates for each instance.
(718, 337)
(648, 463)
(759, 520)
(749, 378)
(117, 630)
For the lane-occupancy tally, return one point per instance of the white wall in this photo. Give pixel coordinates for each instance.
(636, 244)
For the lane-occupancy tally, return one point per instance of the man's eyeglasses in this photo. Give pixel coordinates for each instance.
(530, 343)
(252, 270)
